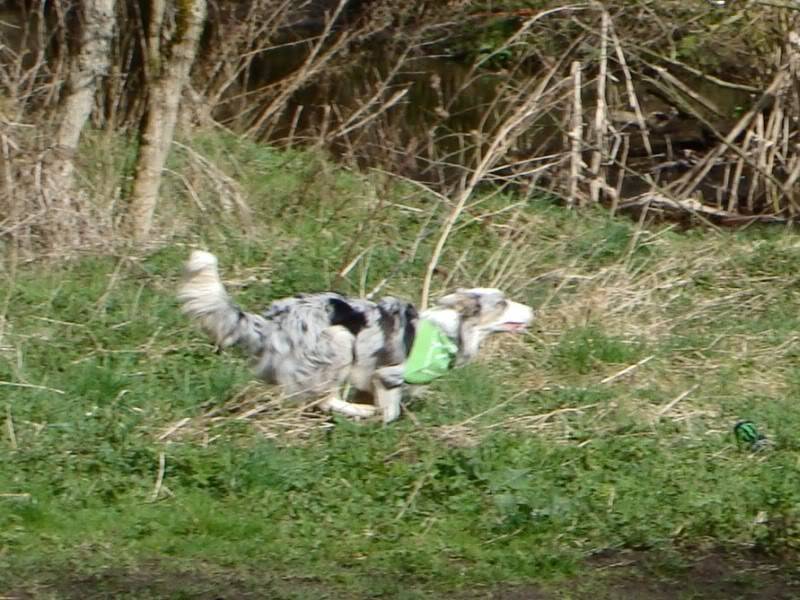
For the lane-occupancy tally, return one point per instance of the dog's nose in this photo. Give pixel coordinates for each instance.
(520, 313)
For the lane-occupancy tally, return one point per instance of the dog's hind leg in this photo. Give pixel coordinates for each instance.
(349, 409)
(388, 386)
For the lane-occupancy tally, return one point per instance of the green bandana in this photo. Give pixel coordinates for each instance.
(431, 355)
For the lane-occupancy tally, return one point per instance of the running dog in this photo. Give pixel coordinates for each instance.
(314, 344)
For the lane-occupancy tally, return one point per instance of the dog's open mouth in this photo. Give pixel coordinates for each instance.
(514, 326)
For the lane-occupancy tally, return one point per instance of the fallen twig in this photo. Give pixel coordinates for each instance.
(627, 370)
(407, 504)
(671, 404)
(173, 429)
(32, 386)
(160, 478)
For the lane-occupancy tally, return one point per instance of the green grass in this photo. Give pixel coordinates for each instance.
(514, 471)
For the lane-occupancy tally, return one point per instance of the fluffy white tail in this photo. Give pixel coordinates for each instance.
(204, 299)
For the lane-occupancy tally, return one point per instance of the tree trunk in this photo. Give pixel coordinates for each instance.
(92, 63)
(168, 73)
(58, 166)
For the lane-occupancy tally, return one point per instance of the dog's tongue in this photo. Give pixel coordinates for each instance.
(515, 327)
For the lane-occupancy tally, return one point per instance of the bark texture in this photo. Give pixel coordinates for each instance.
(58, 195)
(168, 71)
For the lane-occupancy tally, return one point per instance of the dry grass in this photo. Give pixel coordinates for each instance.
(263, 408)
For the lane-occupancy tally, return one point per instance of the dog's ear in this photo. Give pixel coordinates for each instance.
(345, 314)
(465, 302)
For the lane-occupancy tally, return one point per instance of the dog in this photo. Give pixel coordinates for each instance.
(313, 344)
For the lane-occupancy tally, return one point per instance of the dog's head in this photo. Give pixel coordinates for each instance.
(470, 315)
(489, 309)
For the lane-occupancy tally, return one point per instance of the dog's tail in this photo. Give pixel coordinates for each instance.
(203, 297)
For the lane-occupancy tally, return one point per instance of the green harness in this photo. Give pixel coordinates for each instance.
(431, 355)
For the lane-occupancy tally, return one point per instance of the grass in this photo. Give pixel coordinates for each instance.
(516, 471)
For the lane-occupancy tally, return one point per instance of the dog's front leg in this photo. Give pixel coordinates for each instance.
(349, 409)
(388, 386)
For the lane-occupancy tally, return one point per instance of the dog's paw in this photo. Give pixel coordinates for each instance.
(391, 413)
(349, 409)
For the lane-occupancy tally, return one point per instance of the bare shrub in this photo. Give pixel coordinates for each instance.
(637, 131)
(42, 77)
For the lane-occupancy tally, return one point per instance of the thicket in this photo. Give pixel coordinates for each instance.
(572, 100)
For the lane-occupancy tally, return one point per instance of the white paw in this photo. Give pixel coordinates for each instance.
(391, 413)
(361, 411)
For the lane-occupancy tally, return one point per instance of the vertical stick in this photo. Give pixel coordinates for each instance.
(623, 161)
(772, 144)
(633, 100)
(12, 436)
(600, 115)
(733, 200)
(576, 134)
(756, 176)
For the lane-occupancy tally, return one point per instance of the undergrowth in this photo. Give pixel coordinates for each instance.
(513, 470)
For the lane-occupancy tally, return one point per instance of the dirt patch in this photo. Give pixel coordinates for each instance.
(608, 576)
(711, 575)
(151, 581)
(621, 575)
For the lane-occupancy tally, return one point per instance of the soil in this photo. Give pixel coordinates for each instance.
(610, 576)
(713, 575)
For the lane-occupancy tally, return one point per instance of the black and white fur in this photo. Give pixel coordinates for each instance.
(314, 344)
